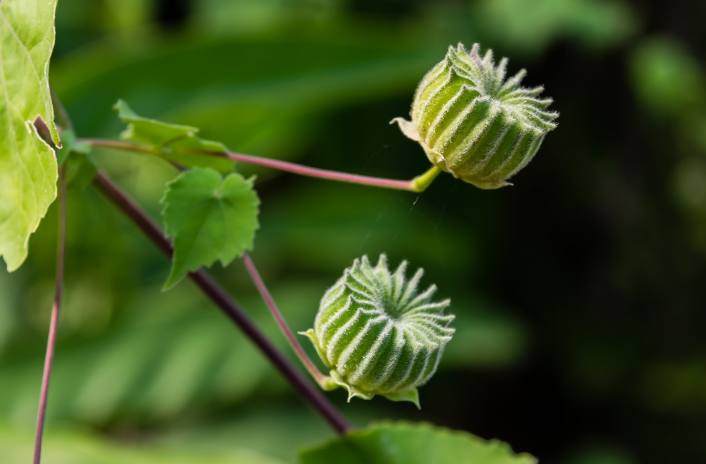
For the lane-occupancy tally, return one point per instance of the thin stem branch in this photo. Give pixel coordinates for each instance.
(320, 173)
(281, 322)
(418, 184)
(54, 321)
(119, 145)
(227, 305)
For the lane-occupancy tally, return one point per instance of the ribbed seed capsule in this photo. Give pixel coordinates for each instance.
(475, 124)
(377, 334)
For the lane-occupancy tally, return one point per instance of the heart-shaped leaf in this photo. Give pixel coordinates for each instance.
(208, 218)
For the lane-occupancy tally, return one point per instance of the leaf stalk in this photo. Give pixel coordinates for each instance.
(418, 184)
(54, 318)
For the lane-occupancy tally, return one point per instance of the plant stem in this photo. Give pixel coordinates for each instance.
(227, 305)
(281, 322)
(326, 174)
(119, 145)
(54, 320)
(421, 182)
(418, 184)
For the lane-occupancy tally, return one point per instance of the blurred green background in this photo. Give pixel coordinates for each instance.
(579, 292)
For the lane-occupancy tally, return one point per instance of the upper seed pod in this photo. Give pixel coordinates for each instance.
(377, 334)
(473, 123)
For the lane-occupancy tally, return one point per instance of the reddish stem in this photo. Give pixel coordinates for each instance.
(286, 166)
(229, 307)
(279, 318)
(321, 173)
(54, 321)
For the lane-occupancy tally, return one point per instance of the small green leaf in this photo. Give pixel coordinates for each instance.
(173, 142)
(71, 145)
(79, 169)
(209, 218)
(409, 443)
(28, 170)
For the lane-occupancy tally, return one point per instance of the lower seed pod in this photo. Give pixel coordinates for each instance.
(473, 122)
(377, 334)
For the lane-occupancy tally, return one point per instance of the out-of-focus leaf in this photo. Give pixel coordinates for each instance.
(675, 386)
(484, 336)
(689, 190)
(349, 224)
(69, 144)
(667, 79)
(600, 454)
(409, 443)
(8, 305)
(531, 26)
(28, 169)
(74, 156)
(276, 428)
(173, 142)
(208, 218)
(127, 15)
(80, 171)
(229, 16)
(78, 448)
(259, 94)
(170, 352)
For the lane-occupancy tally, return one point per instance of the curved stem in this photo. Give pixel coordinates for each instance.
(281, 322)
(227, 305)
(326, 174)
(54, 321)
(418, 184)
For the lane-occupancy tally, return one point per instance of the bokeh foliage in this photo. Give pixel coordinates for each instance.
(578, 292)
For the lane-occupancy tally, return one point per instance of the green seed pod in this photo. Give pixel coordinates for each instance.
(475, 124)
(377, 334)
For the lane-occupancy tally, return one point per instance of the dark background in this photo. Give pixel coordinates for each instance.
(579, 292)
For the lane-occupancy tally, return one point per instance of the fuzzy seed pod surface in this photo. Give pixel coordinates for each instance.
(378, 334)
(474, 123)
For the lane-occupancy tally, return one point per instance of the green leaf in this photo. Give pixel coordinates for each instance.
(668, 79)
(409, 443)
(70, 144)
(173, 142)
(79, 169)
(28, 170)
(209, 218)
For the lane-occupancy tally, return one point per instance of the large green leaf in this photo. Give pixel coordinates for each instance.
(174, 142)
(408, 443)
(28, 170)
(209, 218)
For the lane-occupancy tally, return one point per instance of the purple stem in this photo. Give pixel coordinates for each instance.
(54, 321)
(227, 305)
(321, 173)
(279, 318)
(286, 166)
